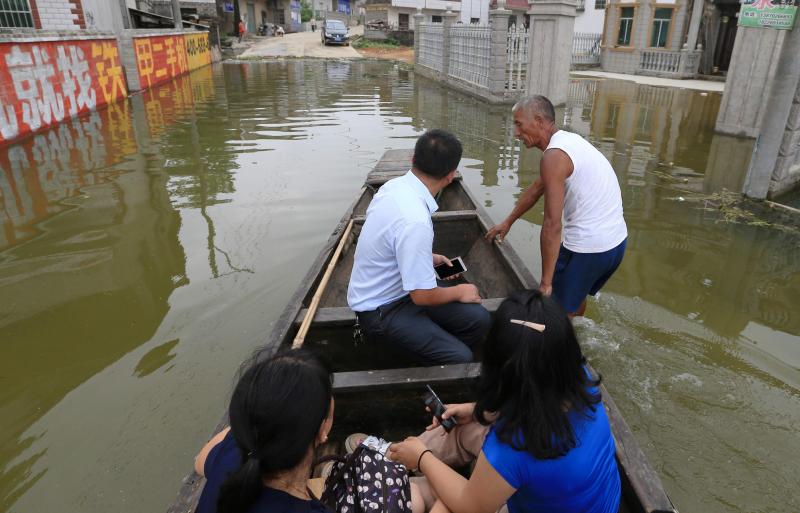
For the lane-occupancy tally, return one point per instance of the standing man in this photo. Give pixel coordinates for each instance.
(580, 186)
(313, 25)
(393, 287)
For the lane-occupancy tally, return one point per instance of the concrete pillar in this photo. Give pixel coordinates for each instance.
(447, 22)
(418, 19)
(694, 25)
(550, 50)
(750, 78)
(176, 14)
(777, 114)
(786, 175)
(497, 71)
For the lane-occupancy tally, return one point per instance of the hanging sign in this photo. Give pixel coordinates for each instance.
(344, 7)
(777, 14)
(227, 7)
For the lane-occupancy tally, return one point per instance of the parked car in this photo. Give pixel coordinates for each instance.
(334, 31)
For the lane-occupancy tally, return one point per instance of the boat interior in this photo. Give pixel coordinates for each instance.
(459, 230)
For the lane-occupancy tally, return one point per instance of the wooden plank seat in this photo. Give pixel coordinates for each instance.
(380, 177)
(436, 217)
(343, 316)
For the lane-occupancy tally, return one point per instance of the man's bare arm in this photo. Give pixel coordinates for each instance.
(464, 293)
(529, 198)
(556, 167)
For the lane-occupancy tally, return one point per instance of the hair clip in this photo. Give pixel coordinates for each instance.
(537, 327)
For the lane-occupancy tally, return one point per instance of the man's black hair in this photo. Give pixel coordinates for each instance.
(437, 153)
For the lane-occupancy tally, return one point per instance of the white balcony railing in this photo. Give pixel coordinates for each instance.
(659, 62)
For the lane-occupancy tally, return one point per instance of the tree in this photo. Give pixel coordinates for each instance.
(305, 11)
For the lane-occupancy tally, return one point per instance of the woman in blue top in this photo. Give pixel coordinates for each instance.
(538, 429)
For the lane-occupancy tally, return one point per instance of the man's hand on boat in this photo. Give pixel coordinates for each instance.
(461, 412)
(500, 231)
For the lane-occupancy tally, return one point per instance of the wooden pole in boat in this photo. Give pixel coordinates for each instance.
(312, 309)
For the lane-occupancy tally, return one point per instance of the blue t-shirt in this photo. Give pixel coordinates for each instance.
(226, 457)
(586, 480)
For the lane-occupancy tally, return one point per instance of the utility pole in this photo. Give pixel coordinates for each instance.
(776, 114)
(176, 14)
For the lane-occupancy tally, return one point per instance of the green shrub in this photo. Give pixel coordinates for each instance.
(392, 41)
(305, 11)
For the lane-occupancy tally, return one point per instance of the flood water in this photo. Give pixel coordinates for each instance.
(146, 249)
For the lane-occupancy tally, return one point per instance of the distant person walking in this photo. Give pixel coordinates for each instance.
(580, 187)
(241, 31)
(313, 24)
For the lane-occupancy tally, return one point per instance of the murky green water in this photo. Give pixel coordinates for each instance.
(145, 249)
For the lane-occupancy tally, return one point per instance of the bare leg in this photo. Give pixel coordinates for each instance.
(580, 312)
(457, 448)
(417, 501)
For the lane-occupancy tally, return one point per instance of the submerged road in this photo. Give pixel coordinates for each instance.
(302, 44)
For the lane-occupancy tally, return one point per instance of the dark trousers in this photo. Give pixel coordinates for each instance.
(313, 28)
(432, 335)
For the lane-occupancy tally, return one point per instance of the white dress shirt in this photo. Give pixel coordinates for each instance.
(394, 250)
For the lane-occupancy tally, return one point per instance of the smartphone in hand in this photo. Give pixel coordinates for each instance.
(437, 407)
(444, 271)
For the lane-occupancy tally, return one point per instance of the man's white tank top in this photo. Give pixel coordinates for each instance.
(593, 221)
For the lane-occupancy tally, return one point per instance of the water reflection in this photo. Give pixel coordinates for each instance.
(80, 289)
(146, 248)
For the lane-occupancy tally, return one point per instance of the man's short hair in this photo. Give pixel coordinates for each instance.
(437, 153)
(536, 104)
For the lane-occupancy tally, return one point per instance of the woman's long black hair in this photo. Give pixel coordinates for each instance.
(276, 411)
(528, 377)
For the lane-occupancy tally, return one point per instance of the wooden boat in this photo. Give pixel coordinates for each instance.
(378, 389)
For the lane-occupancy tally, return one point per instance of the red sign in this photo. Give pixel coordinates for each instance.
(45, 83)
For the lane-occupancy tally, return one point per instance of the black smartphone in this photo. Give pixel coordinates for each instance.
(444, 271)
(437, 407)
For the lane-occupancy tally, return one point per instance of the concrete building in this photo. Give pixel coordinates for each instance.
(591, 16)
(400, 13)
(647, 36)
(60, 14)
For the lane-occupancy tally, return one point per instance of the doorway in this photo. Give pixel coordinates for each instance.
(403, 21)
(723, 49)
(251, 18)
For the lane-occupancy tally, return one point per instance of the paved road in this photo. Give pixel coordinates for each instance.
(301, 44)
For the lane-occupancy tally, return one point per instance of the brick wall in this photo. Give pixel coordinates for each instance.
(47, 77)
(58, 14)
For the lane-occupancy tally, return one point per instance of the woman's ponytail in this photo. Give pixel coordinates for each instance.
(241, 489)
(276, 411)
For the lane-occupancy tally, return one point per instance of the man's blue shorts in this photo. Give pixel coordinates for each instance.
(580, 274)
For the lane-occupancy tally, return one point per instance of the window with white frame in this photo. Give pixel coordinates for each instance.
(661, 19)
(15, 14)
(625, 26)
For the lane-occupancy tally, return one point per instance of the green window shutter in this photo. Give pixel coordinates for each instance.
(625, 26)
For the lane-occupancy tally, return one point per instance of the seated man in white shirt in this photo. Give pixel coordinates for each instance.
(393, 287)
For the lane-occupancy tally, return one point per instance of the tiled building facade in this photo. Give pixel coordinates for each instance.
(43, 14)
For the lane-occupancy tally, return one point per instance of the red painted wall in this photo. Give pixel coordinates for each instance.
(160, 58)
(45, 83)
